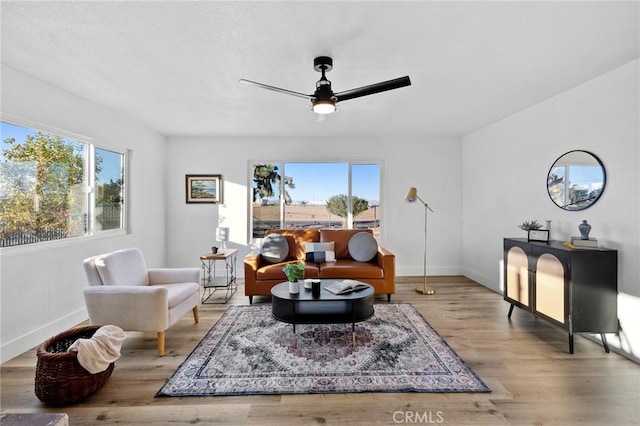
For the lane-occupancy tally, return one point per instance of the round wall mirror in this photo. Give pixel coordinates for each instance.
(576, 180)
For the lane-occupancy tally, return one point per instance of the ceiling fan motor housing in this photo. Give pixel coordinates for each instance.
(323, 61)
(323, 90)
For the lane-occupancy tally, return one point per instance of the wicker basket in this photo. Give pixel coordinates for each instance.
(60, 379)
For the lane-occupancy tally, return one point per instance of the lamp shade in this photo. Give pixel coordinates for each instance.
(222, 234)
(412, 195)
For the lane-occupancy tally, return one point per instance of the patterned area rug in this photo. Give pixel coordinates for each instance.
(247, 352)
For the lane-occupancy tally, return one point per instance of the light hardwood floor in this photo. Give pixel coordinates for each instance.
(534, 380)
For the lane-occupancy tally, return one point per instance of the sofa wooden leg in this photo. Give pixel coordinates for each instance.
(160, 343)
(196, 316)
(388, 297)
(251, 300)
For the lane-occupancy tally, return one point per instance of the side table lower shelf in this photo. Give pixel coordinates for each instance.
(211, 284)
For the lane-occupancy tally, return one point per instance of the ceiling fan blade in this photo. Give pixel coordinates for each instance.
(371, 89)
(275, 89)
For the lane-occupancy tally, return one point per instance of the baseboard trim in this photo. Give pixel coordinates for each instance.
(33, 339)
(437, 270)
(482, 279)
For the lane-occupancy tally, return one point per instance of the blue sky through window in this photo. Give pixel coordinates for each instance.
(317, 182)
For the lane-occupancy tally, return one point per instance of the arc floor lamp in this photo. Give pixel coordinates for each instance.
(412, 196)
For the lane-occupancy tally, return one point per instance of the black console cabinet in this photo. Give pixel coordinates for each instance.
(575, 289)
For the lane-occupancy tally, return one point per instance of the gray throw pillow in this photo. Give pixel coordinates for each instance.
(275, 248)
(363, 247)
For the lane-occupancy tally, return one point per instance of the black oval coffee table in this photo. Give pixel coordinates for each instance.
(328, 308)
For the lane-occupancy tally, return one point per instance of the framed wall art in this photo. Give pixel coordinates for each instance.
(204, 189)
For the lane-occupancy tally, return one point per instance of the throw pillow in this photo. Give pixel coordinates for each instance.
(320, 252)
(275, 248)
(363, 247)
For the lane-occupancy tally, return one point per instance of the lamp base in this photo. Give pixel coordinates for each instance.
(425, 290)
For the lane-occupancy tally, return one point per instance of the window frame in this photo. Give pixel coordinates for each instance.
(91, 145)
(281, 167)
(124, 228)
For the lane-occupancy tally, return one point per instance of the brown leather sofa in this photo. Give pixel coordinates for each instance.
(260, 276)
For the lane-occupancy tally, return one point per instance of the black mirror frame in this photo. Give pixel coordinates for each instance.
(604, 180)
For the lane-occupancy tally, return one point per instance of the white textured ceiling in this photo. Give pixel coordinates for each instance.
(174, 66)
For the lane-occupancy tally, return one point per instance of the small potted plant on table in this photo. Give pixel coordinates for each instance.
(294, 272)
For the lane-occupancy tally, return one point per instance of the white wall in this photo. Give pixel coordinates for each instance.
(501, 179)
(41, 285)
(505, 166)
(430, 164)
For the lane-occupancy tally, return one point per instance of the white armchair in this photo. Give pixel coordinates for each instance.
(124, 292)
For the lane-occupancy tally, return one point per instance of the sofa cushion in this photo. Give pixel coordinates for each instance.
(363, 247)
(320, 252)
(275, 248)
(275, 272)
(123, 267)
(353, 269)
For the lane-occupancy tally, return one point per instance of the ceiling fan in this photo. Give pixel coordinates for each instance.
(324, 100)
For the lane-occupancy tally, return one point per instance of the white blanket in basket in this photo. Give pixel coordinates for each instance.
(103, 348)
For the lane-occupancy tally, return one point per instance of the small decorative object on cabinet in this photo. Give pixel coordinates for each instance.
(538, 235)
(579, 242)
(584, 229)
(530, 225)
(548, 227)
(211, 282)
(574, 289)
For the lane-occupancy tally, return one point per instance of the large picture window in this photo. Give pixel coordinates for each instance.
(53, 187)
(300, 195)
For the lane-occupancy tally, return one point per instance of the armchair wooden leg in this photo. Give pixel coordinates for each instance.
(196, 316)
(160, 343)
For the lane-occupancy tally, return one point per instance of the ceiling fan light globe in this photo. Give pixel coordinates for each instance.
(323, 106)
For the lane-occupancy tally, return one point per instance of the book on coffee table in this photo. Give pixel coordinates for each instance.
(346, 286)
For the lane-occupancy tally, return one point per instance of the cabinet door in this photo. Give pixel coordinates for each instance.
(517, 276)
(550, 287)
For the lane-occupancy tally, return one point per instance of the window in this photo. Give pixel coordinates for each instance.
(299, 195)
(53, 187)
(109, 184)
